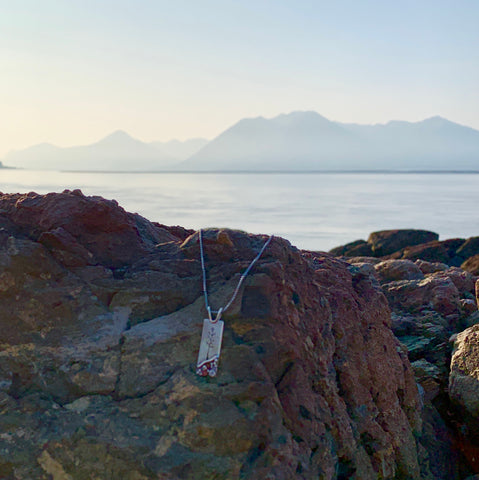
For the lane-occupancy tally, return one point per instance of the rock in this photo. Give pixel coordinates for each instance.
(362, 259)
(97, 364)
(392, 270)
(442, 252)
(353, 249)
(436, 293)
(469, 248)
(471, 265)
(430, 267)
(432, 302)
(464, 374)
(464, 281)
(469, 306)
(102, 231)
(386, 242)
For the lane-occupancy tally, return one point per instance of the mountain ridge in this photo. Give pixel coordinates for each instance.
(295, 141)
(118, 151)
(305, 140)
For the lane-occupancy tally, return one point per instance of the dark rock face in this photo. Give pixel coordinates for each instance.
(101, 312)
(472, 265)
(386, 242)
(354, 249)
(416, 245)
(469, 248)
(443, 252)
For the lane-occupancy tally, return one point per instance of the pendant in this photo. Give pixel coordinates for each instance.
(210, 347)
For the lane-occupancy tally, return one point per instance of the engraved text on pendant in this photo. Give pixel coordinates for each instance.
(210, 347)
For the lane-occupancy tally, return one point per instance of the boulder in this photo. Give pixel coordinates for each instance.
(432, 292)
(471, 265)
(435, 252)
(386, 242)
(353, 249)
(469, 248)
(392, 270)
(83, 230)
(97, 362)
(464, 374)
(430, 267)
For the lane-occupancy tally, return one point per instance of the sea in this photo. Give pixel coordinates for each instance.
(314, 211)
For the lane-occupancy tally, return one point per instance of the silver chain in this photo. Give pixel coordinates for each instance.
(243, 276)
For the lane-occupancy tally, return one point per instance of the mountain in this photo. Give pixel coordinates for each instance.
(180, 150)
(116, 152)
(309, 141)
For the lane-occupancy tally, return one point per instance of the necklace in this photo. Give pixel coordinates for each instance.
(212, 334)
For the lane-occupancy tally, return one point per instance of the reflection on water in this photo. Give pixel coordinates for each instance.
(312, 210)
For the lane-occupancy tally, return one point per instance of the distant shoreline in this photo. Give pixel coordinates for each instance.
(278, 172)
(257, 172)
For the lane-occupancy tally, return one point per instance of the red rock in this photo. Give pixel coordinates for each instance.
(464, 281)
(112, 236)
(439, 294)
(311, 384)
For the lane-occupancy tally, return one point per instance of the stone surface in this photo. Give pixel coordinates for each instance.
(386, 242)
(430, 267)
(393, 270)
(471, 265)
(436, 252)
(432, 302)
(102, 310)
(353, 249)
(464, 376)
(469, 248)
(83, 231)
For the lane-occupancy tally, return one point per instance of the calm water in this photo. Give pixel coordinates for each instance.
(314, 211)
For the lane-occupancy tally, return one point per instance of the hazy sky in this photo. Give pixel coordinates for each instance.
(73, 71)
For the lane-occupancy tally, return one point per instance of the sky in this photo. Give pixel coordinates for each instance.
(72, 72)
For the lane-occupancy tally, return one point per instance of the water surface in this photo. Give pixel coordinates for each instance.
(315, 211)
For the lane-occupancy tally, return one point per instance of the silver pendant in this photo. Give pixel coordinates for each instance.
(210, 348)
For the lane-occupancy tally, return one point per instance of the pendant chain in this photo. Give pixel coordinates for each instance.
(238, 286)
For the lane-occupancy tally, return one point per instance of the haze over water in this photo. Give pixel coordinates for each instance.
(313, 211)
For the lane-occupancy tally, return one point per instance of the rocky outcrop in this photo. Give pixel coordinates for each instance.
(415, 245)
(101, 314)
(432, 302)
(386, 242)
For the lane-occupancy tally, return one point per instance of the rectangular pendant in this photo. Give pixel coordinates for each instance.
(210, 348)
